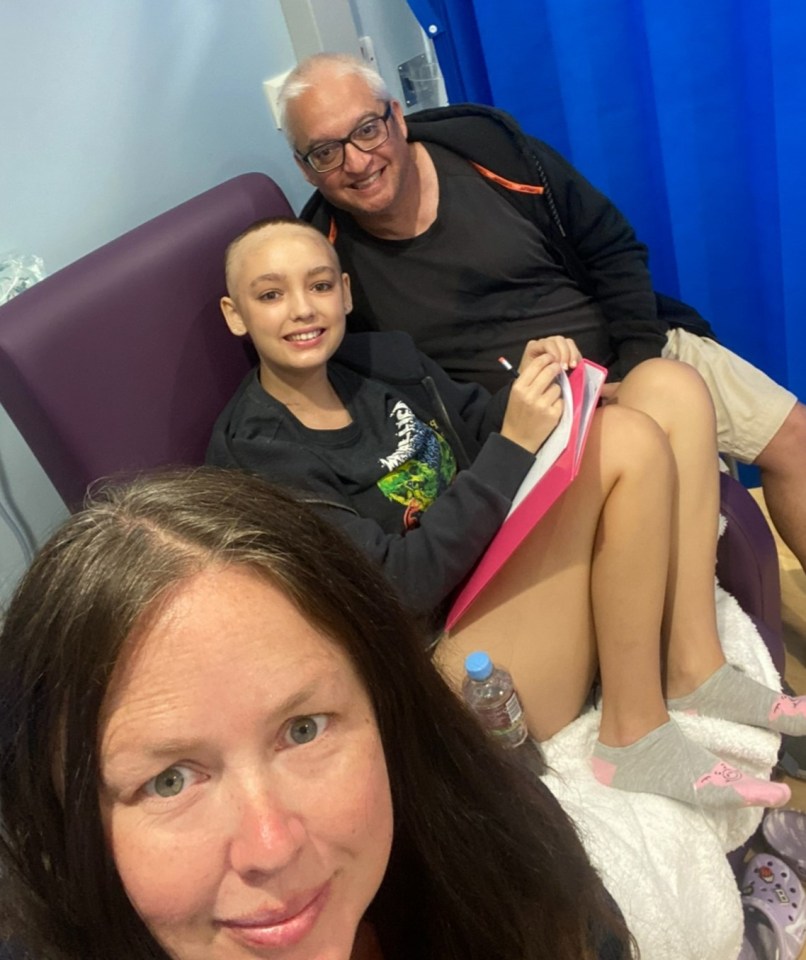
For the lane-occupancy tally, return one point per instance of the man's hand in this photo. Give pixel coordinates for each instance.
(535, 402)
(561, 349)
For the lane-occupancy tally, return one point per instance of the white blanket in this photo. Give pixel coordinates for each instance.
(663, 861)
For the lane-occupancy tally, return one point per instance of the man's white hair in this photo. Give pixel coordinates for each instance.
(304, 76)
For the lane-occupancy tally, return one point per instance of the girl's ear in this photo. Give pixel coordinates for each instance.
(233, 318)
(346, 292)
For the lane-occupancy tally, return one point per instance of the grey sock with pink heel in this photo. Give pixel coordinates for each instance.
(665, 762)
(731, 695)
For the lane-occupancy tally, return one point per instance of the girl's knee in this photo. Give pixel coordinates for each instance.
(632, 440)
(671, 380)
(673, 393)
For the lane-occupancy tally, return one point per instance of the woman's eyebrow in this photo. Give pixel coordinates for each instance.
(172, 747)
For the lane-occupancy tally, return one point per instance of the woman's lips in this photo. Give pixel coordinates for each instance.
(282, 927)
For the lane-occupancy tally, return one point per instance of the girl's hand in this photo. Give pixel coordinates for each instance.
(535, 402)
(561, 349)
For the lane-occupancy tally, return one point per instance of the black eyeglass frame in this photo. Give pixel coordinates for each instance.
(384, 118)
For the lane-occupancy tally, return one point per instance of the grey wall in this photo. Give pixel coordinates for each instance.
(397, 38)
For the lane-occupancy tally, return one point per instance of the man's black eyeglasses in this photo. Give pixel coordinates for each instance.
(366, 136)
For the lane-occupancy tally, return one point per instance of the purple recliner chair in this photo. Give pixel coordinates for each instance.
(121, 362)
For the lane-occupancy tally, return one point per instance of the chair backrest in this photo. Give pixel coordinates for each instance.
(121, 361)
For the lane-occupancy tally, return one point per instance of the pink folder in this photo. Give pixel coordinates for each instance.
(542, 485)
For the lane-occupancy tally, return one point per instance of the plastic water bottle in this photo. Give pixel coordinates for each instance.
(491, 694)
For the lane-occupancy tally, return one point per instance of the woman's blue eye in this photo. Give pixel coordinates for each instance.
(304, 729)
(169, 783)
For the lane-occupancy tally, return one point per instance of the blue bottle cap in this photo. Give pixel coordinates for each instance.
(478, 665)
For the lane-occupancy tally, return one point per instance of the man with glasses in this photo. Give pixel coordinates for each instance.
(475, 238)
(366, 173)
(368, 135)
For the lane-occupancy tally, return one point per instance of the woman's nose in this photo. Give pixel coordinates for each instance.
(266, 836)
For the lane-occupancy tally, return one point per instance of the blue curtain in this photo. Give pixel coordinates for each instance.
(691, 116)
(453, 28)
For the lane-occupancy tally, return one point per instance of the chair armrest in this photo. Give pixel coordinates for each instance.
(747, 564)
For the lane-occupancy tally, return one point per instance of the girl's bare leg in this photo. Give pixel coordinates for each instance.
(591, 575)
(674, 395)
(697, 677)
(590, 583)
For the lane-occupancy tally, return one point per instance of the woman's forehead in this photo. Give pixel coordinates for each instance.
(221, 625)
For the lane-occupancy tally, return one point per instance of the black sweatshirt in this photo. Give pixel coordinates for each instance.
(334, 469)
(581, 228)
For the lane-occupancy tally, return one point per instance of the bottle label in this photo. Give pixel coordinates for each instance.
(506, 716)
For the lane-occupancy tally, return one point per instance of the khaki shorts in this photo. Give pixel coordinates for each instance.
(750, 407)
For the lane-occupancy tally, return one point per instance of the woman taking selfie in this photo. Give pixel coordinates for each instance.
(221, 739)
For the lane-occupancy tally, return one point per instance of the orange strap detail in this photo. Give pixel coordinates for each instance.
(333, 232)
(509, 184)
